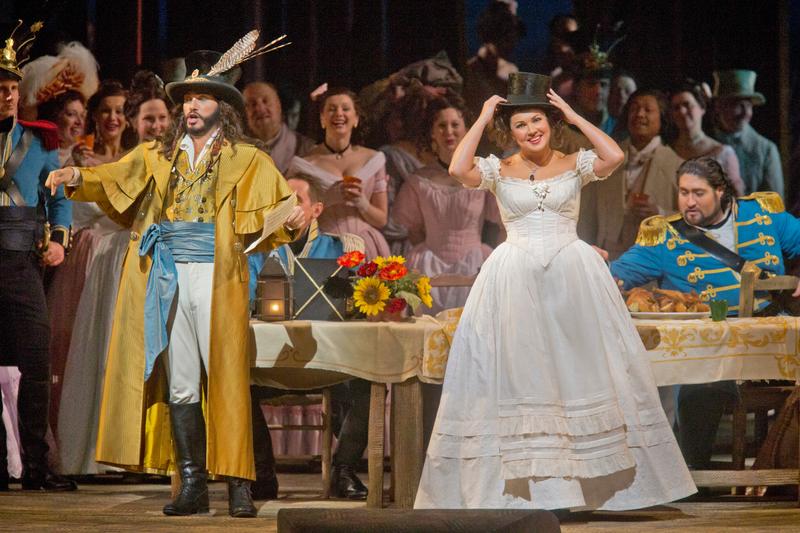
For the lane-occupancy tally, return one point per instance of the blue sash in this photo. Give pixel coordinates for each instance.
(169, 243)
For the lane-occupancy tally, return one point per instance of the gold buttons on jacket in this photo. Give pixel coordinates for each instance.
(134, 236)
(237, 246)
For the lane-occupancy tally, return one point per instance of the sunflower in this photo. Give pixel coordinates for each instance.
(383, 261)
(424, 290)
(370, 296)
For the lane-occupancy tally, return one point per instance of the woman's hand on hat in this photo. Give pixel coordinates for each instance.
(569, 114)
(489, 107)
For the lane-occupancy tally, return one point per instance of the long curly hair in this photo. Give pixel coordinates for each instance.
(229, 121)
(710, 170)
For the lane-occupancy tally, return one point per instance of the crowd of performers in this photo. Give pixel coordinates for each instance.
(126, 209)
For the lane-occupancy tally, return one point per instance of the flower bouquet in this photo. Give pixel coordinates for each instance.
(384, 288)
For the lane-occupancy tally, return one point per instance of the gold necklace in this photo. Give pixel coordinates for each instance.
(536, 167)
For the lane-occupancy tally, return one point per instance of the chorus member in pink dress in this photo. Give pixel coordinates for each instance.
(148, 116)
(444, 219)
(687, 105)
(353, 177)
(89, 224)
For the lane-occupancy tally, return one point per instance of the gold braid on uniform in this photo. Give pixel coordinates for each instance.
(653, 230)
(768, 200)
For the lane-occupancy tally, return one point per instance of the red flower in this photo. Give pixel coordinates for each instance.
(351, 259)
(395, 305)
(393, 272)
(367, 269)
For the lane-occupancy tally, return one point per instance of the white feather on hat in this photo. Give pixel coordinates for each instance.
(44, 78)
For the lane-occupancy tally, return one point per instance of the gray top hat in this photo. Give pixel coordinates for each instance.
(220, 85)
(737, 84)
(527, 89)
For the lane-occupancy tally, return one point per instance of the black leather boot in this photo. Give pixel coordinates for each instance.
(189, 438)
(33, 404)
(240, 503)
(345, 484)
(265, 486)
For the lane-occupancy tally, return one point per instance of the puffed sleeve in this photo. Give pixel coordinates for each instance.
(584, 166)
(489, 169)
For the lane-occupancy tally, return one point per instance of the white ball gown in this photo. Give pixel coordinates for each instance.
(548, 401)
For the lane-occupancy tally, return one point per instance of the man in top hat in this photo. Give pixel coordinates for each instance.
(34, 231)
(734, 98)
(592, 85)
(266, 122)
(194, 203)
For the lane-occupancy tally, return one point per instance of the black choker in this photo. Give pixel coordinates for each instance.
(445, 166)
(337, 152)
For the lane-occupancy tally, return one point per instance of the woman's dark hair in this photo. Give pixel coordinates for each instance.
(230, 122)
(423, 135)
(145, 86)
(50, 109)
(358, 133)
(500, 132)
(710, 170)
(107, 88)
(692, 87)
(663, 108)
(497, 24)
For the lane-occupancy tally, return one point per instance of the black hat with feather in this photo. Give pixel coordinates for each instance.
(214, 73)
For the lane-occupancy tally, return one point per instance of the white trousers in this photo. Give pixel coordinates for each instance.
(189, 332)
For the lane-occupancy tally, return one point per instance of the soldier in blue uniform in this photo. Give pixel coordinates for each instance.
(351, 398)
(34, 232)
(702, 249)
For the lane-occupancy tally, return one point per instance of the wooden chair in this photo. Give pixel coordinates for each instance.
(752, 399)
(299, 399)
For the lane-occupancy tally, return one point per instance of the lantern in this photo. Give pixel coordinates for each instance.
(274, 294)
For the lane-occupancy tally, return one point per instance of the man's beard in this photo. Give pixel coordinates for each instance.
(208, 124)
(709, 220)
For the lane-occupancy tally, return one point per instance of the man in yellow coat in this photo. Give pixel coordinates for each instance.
(194, 203)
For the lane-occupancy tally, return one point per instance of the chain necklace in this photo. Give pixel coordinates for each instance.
(536, 167)
(337, 152)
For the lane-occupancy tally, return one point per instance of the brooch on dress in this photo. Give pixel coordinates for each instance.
(540, 191)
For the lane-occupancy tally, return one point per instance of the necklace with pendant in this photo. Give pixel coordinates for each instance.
(337, 152)
(535, 167)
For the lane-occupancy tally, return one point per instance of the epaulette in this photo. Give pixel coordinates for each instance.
(768, 200)
(653, 230)
(351, 242)
(45, 130)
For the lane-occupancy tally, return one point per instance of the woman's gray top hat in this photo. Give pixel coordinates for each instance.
(527, 89)
(198, 63)
(214, 73)
(737, 84)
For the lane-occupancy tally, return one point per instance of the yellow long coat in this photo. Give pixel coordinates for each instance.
(134, 428)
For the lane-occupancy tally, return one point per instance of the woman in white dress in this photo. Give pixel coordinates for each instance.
(548, 398)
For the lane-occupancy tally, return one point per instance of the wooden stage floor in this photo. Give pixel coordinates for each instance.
(129, 507)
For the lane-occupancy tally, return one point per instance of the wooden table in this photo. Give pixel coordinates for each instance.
(313, 354)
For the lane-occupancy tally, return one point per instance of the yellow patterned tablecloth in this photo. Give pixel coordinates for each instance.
(701, 351)
(687, 351)
(681, 351)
